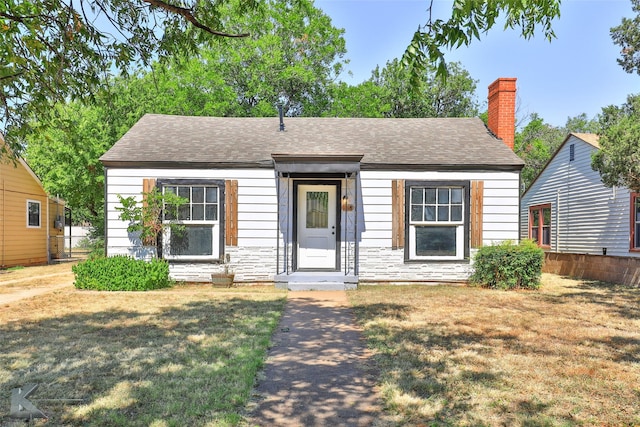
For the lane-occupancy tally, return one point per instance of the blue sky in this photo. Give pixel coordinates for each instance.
(575, 73)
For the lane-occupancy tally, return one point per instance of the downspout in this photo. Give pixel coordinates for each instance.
(70, 222)
(48, 231)
(277, 222)
(568, 221)
(557, 220)
(290, 225)
(4, 221)
(104, 208)
(355, 227)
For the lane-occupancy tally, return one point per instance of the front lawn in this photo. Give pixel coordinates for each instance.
(186, 356)
(568, 354)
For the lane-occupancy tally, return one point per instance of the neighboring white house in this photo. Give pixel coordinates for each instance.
(568, 209)
(323, 201)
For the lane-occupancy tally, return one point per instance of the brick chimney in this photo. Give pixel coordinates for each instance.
(502, 109)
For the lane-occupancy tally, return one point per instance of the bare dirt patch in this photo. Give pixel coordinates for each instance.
(18, 284)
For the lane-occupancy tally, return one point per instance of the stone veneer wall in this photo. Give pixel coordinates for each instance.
(250, 265)
(258, 265)
(388, 265)
(621, 270)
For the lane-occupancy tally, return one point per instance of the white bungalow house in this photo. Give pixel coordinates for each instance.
(324, 202)
(578, 220)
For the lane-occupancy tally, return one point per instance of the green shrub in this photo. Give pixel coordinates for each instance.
(508, 266)
(121, 273)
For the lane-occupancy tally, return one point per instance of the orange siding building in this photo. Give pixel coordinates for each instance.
(27, 216)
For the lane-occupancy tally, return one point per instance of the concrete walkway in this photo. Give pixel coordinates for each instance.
(318, 371)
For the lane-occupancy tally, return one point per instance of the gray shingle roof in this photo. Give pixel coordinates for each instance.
(430, 143)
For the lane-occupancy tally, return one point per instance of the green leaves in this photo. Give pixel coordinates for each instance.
(469, 20)
(145, 217)
(406, 94)
(627, 36)
(59, 50)
(121, 273)
(618, 159)
(508, 266)
(536, 142)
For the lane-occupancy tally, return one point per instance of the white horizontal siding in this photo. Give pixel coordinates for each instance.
(500, 212)
(258, 214)
(586, 215)
(257, 201)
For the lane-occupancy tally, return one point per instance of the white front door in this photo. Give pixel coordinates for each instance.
(316, 226)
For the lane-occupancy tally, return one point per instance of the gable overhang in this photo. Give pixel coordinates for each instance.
(589, 139)
(288, 163)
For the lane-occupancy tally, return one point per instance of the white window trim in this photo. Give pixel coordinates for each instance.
(215, 250)
(39, 203)
(410, 240)
(216, 227)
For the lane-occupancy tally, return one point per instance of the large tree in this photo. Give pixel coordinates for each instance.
(56, 50)
(428, 96)
(388, 93)
(618, 159)
(63, 151)
(627, 36)
(292, 55)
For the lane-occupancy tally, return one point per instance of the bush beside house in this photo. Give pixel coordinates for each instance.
(122, 273)
(509, 266)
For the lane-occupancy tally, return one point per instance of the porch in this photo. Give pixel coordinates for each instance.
(316, 281)
(319, 222)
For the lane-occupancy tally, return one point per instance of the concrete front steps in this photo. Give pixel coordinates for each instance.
(316, 281)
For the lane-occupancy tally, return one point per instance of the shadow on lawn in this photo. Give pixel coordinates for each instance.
(621, 300)
(437, 371)
(179, 364)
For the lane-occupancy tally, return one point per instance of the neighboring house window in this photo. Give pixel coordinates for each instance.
(540, 225)
(201, 238)
(33, 214)
(635, 221)
(437, 218)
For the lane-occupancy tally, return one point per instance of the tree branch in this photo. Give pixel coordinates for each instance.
(188, 15)
(17, 18)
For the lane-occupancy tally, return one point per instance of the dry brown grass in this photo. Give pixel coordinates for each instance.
(181, 356)
(568, 354)
(17, 279)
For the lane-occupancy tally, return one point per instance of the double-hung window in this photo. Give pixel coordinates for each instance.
(540, 225)
(635, 221)
(33, 214)
(199, 235)
(437, 218)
